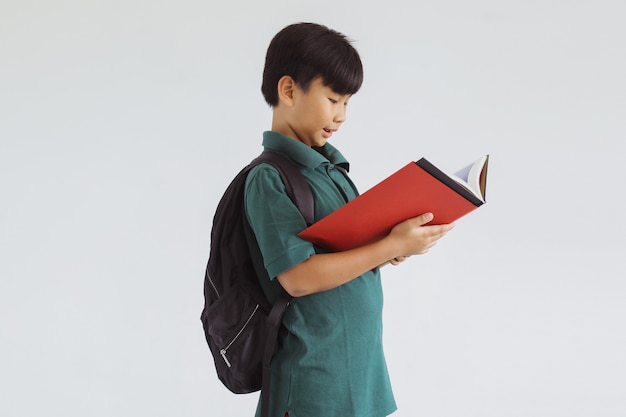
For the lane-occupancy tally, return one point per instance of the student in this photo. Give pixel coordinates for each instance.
(330, 362)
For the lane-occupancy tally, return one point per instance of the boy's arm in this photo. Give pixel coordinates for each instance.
(322, 272)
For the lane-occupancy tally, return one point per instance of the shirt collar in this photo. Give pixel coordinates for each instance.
(301, 153)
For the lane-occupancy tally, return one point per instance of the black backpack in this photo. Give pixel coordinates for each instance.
(240, 325)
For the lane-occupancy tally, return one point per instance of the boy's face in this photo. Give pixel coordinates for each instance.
(315, 114)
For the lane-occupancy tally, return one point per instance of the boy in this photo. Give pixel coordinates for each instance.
(330, 362)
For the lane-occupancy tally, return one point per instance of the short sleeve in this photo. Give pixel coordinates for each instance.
(275, 221)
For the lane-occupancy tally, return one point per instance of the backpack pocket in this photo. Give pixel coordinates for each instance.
(235, 330)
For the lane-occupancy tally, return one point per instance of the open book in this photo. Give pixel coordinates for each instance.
(415, 189)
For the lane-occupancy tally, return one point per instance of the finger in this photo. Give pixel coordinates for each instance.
(427, 247)
(399, 259)
(441, 228)
(437, 231)
(424, 218)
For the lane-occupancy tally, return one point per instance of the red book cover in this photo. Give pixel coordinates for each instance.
(417, 188)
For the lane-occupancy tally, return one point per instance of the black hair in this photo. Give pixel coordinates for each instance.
(306, 51)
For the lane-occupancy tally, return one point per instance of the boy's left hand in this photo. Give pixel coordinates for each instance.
(398, 260)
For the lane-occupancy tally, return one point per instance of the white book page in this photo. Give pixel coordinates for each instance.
(469, 177)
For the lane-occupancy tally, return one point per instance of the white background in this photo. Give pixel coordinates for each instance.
(122, 122)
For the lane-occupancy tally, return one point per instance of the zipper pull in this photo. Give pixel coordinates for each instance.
(223, 352)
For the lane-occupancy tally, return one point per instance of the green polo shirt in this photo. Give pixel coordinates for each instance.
(330, 362)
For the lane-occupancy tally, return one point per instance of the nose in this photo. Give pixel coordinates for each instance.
(340, 116)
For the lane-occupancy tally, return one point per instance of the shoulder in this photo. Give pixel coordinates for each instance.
(264, 183)
(265, 176)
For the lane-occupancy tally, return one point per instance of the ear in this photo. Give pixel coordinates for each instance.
(286, 88)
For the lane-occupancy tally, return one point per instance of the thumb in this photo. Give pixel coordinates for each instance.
(425, 218)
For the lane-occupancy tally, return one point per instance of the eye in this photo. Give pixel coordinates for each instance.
(332, 100)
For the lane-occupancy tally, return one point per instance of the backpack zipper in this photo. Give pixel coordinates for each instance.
(214, 287)
(223, 351)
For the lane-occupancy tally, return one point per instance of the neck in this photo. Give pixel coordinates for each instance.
(280, 125)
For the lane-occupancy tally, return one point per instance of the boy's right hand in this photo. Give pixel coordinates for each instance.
(325, 271)
(414, 237)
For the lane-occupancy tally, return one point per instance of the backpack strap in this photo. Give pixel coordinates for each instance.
(274, 320)
(296, 185)
(299, 190)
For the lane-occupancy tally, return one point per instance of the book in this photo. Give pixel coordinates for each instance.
(417, 188)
